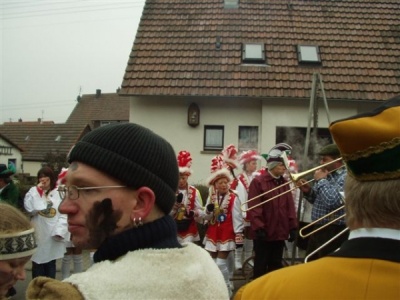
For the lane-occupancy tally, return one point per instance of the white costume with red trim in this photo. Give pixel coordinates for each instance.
(191, 202)
(243, 191)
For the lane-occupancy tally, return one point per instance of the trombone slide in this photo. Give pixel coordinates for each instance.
(320, 219)
(325, 244)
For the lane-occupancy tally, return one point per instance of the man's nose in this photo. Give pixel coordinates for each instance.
(20, 272)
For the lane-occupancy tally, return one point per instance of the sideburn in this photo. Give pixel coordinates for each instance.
(102, 222)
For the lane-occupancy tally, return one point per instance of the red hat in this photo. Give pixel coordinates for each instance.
(247, 156)
(229, 156)
(62, 176)
(293, 168)
(218, 170)
(184, 162)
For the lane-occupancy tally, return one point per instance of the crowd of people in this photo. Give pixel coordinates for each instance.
(137, 208)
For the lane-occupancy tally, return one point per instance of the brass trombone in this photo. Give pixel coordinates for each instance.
(324, 245)
(320, 219)
(294, 178)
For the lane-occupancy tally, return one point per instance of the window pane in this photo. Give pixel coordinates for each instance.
(213, 137)
(309, 53)
(253, 51)
(248, 138)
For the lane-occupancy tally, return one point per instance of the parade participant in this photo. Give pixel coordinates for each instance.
(229, 158)
(326, 196)
(17, 244)
(274, 221)
(120, 188)
(189, 206)
(42, 203)
(230, 162)
(9, 192)
(220, 237)
(248, 160)
(367, 266)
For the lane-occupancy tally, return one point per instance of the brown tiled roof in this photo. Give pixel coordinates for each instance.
(10, 142)
(37, 139)
(175, 49)
(92, 109)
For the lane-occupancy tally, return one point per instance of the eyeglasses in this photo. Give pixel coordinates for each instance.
(73, 190)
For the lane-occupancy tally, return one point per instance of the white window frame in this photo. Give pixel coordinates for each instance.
(308, 54)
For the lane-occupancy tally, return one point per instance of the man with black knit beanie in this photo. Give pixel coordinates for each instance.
(119, 190)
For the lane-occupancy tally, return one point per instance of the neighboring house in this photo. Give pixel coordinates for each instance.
(10, 152)
(99, 109)
(248, 67)
(36, 139)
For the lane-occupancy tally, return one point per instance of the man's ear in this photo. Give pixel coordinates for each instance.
(145, 201)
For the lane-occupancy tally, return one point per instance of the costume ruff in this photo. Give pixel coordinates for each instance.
(220, 236)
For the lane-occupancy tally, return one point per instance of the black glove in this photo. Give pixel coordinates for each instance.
(210, 207)
(179, 198)
(261, 234)
(292, 235)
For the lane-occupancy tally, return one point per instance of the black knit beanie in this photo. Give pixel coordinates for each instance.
(134, 155)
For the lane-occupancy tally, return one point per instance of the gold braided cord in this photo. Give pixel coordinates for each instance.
(375, 176)
(395, 142)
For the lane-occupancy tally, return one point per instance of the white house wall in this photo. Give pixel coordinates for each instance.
(168, 118)
(32, 167)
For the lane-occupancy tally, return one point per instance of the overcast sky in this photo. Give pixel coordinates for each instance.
(52, 51)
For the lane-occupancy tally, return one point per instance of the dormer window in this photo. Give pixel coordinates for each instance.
(308, 54)
(253, 53)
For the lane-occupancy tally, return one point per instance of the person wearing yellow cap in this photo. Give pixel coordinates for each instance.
(367, 266)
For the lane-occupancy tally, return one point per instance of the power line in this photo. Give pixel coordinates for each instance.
(63, 13)
(68, 10)
(37, 105)
(57, 3)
